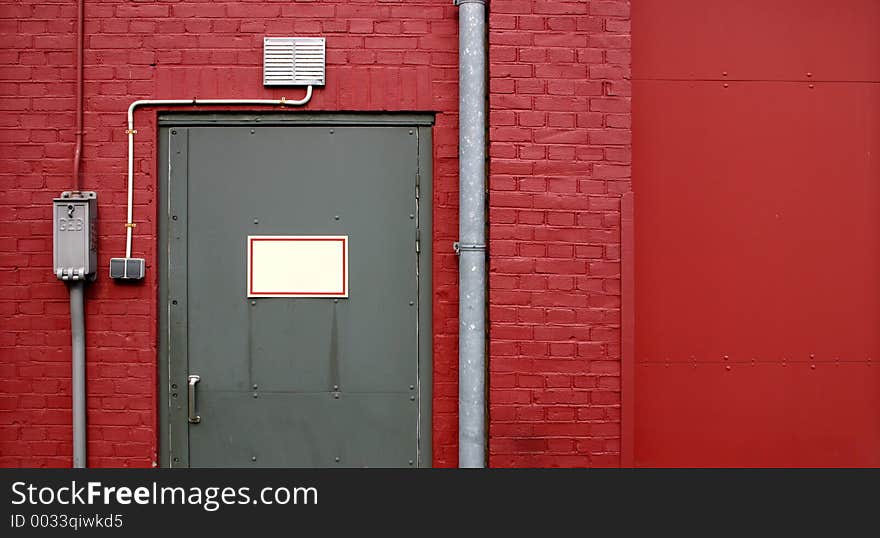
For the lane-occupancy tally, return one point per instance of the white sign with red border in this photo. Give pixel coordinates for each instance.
(297, 266)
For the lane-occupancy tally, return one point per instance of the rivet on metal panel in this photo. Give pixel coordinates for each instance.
(173, 217)
(724, 74)
(335, 387)
(812, 355)
(336, 459)
(411, 131)
(412, 398)
(809, 74)
(255, 395)
(253, 303)
(813, 366)
(336, 217)
(174, 385)
(256, 221)
(412, 387)
(173, 131)
(726, 85)
(335, 395)
(174, 395)
(332, 131)
(812, 86)
(411, 462)
(176, 460)
(253, 131)
(727, 368)
(255, 386)
(174, 301)
(411, 303)
(412, 216)
(335, 300)
(727, 357)
(253, 458)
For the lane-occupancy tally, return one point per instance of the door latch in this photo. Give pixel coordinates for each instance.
(191, 385)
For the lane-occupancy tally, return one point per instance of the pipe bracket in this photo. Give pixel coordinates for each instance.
(460, 2)
(458, 247)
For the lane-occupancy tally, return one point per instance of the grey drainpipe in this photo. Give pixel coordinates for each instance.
(471, 247)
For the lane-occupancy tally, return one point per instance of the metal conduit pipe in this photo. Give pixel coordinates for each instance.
(77, 148)
(185, 102)
(78, 377)
(471, 246)
(77, 288)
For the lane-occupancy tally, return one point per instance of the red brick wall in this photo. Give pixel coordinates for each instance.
(560, 160)
(381, 56)
(560, 153)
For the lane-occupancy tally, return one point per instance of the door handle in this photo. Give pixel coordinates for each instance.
(191, 386)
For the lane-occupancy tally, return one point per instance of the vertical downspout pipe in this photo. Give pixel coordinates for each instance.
(471, 246)
(78, 377)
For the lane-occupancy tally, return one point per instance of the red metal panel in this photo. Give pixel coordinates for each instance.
(758, 415)
(627, 330)
(757, 39)
(757, 210)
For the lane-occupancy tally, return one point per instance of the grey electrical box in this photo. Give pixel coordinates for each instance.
(75, 235)
(127, 268)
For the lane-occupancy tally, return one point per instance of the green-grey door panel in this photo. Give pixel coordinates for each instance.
(305, 430)
(356, 181)
(294, 381)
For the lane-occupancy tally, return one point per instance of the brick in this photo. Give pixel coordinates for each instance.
(615, 8)
(609, 41)
(141, 10)
(252, 10)
(560, 155)
(571, 94)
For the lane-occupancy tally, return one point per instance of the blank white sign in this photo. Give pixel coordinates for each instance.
(297, 265)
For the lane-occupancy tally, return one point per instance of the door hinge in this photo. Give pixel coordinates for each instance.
(418, 240)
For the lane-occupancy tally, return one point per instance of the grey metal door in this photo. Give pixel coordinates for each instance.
(294, 382)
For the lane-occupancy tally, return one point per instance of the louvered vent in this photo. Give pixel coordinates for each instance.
(293, 61)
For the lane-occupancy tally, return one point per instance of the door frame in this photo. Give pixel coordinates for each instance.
(172, 400)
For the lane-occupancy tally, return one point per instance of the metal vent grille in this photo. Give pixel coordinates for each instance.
(293, 61)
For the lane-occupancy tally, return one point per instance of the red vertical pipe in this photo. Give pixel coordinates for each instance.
(77, 151)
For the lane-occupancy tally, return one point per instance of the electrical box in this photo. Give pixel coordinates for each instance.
(75, 235)
(127, 268)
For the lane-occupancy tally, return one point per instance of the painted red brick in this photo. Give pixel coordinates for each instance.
(560, 149)
(559, 74)
(381, 57)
